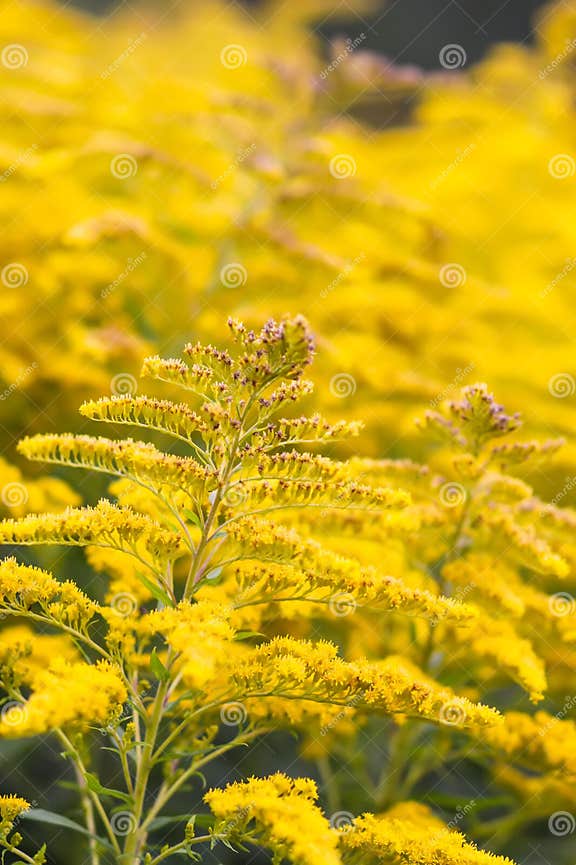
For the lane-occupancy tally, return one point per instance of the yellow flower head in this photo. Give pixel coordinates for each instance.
(67, 694)
(11, 806)
(410, 833)
(282, 813)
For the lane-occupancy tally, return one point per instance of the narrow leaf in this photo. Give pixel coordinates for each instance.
(158, 667)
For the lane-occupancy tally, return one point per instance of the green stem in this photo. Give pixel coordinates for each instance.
(391, 777)
(195, 572)
(136, 839)
(183, 845)
(183, 724)
(77, 759)
(167, 794)
(20, 853)
(89, 818)
(328, 784)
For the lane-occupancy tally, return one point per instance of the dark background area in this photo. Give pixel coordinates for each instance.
(410, 31)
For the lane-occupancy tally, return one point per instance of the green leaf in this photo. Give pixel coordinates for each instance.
(96, 787)
(202, 820)
(41, 816)
(194, 518)
(156, 590)
(40, 856)
(158, 667)
(247, 635)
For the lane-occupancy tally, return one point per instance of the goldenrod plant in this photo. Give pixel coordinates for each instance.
(250, 584)
(278, 627)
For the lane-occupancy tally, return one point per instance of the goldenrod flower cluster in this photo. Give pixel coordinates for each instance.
(12, 806)
(225, 563)
(283, 814)
(276, 551)
(410, 833)
(64, 695)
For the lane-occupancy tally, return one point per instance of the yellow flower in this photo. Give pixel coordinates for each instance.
(23, 586)
(314, 567)
(66, 695)
(140, 461)
(11, 807)
(106, 525)
(282, 814)
(28, 653)
(200, 634)
(302, 670)
(410, 833)
(542, 741)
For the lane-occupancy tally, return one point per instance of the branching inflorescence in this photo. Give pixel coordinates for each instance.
(224, 557)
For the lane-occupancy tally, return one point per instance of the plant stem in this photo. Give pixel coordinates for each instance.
(226, 472)
(79, 763)
(167, 794)
(183, 845)
(88, 809)
(136, 839)
(24, 856)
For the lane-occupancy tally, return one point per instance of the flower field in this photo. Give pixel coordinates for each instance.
(287, 403)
